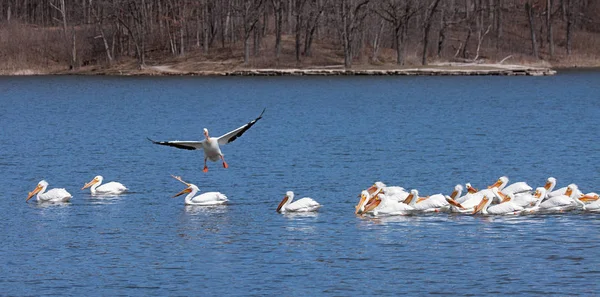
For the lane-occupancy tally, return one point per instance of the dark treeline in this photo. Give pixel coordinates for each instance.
(107, 31)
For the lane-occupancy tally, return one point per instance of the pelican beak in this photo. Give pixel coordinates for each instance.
(453, 202)
(589, 198)
(453, 195)
(537, 194)
(568, 192)
(283, 201)
(497, 184)
(32, 193)
(186, 190)
(362, 200)
(372, 204)
(92, 182)
(504, 197)
(472, 190)
(547, 186)
(372, 189)
(421, 199)
(409, 198)
(479, 206)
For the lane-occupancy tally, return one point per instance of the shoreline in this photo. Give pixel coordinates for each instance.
(444, 69)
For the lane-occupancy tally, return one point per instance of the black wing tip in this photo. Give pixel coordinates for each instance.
(260, 116)
(156, 142)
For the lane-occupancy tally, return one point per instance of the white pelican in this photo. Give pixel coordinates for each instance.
(595, 205)
(380, 204)
(527, 199)
(110, 188)
(468, 195)
(568, 201)
(514, 188)
(365, 197)
(540, 194)
(550, 184)
(392, 192)
(210, 145)
(301, 205)
(504, 208)
(426, 204)
(53, 195)
(467, 203)
(204, 199)
(562, 191)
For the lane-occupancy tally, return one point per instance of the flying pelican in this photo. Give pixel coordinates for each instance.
(110, 188)
(53, 195)
(300, 205)
(204, 199)
(211, 145)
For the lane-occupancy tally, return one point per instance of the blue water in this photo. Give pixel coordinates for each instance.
(327, 138)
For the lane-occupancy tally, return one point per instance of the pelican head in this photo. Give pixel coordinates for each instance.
(206, 133)
(589, 197)
(373, 203)
(540, 192)
(377, 185)
(481, 204)
(457, 190)
(470, 188)
(550, 183)
(97, 179)
(189, 189)
(41, 185)
(289, 196)
(503, 197)
(414, 195)
(570, 189)
(364, 196)
(500, 183)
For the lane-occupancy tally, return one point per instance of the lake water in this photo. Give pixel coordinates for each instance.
(323, 137)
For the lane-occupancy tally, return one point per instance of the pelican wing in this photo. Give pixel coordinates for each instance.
(233, 135)
(186, 145)
(304, 204)
(504, 208)
(56, 195)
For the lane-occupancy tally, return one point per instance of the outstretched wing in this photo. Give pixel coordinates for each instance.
(233, 135)
(186, 145)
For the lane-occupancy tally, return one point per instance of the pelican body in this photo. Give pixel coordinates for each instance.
(301, 205)
(99, 189)
(205, 199)
(53, 195)
(211, 145)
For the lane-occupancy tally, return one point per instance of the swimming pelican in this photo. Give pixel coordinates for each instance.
(504, 208)
(595, 205)
(562, 191)
(53, 195)
(568, 201)
(204, 199)
(365, 197)
(514, 188)
(380, 204)
(468, 195)
(301, 205)
(110, 188)
(211, 145)
(540, 194)
(392, 192)
(426, 204)
(550, 184)
(467, 203)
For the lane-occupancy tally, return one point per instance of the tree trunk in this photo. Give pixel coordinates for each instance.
(427, 28)
(569, 25)
(278, 10)
(549, 26)
(530, 16)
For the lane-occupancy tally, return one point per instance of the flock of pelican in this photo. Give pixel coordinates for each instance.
(212, 152)
(498, 199)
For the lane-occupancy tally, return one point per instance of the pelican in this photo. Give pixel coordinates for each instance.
(515, 188)
(470, 192)
(204, 199)
(392, 192)
(426, 204)
(467, 203)
(568, 201)
(111, 188)
(301, 205)
(504, 208)
(562, 191)
(594, 206)
(211, 145)
(540, 194)
(550, 184)
(380, 204)
(53, 195)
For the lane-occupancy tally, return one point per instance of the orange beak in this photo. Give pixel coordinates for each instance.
(547, 186)
(497, 184)
(504, 197)
(91, 183)
(453, 202)
(409, 199)
(362, 200)
(285, 199)
(589, 198)
(372, 189)
(421, 199)
(453, 195)
(568, 192)
(472, 190)
(372, 204)
(32, 193)
(186, 190)
(479, 206)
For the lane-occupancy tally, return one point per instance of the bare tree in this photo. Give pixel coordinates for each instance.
(251, 11)
(351, 14)
(529, 9)
(278, 11)
(427, 27)
(549, 27)
(69, 42)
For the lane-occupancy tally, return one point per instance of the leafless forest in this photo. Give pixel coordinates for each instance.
(52, 35)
